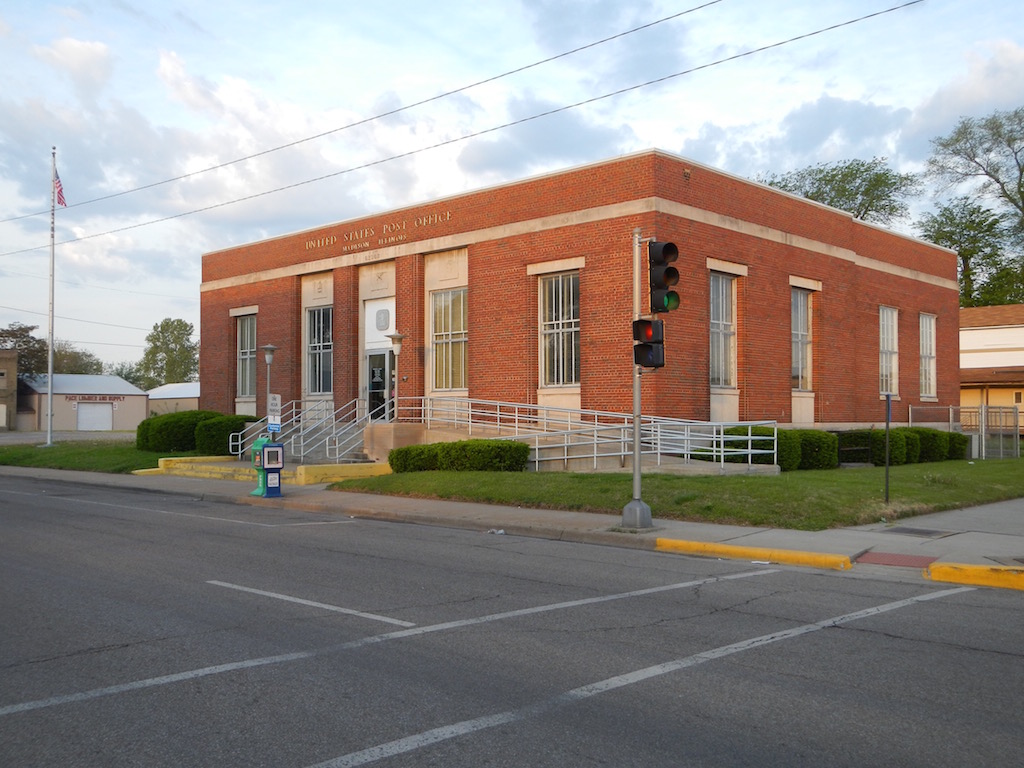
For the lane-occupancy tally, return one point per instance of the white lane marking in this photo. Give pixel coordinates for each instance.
(351, 645)
(182, 514)
(310, 603)
(445, 733)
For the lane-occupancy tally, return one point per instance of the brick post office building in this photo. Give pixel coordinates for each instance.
(791, 311)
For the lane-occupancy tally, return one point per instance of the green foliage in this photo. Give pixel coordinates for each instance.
(912, 454)
(213, 435)
(959, 443)
(171, 356)
(934, 443)
(897, 447)
(67, 358)
(818, 449)
(33, 353)
(413, 458)
(461, 456)
(171, 431)
(868, 189)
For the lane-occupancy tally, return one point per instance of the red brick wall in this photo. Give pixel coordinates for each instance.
(503, 298)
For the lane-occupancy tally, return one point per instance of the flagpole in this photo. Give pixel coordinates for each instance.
(49, 357)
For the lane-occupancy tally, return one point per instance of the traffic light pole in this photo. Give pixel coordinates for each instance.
(636, 514)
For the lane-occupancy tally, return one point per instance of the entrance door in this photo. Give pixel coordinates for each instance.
(381, 390)
(95, 417)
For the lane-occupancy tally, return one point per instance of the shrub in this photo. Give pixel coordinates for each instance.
(413, 458)
(897, 447)
(483, 456)
(213, 435)
(934, 443)
(818, 449)
(176, 431)
(462, 456)
(958, 445)
(913, 441)
(142, 434)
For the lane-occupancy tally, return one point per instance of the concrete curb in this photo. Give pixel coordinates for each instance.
(732, 551)
(977, 575)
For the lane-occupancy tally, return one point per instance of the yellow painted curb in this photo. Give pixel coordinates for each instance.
(978, 575)
(785, 556)
(314, 474)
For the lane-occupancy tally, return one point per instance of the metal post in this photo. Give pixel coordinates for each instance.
(636, 514)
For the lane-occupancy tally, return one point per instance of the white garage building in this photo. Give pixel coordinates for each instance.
(82, 403)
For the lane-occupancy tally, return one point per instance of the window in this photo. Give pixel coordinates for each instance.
(888, 351)
(928, 356)
(246, 367)
(560, 329)
(800, 309)
(319, 351)
(723, 331)
(450, 339)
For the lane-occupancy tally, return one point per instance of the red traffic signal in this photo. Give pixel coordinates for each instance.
(650, 352)
(663, 275)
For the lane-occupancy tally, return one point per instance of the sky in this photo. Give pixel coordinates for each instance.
(187, 127)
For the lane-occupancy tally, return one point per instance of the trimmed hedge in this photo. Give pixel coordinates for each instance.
(897, 447)
(818, 449)
(171, 431)
(913, 441)
(934, 443)
(959, 443)
(462, 456)
(213, 435)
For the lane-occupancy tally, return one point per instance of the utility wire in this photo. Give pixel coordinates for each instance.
(380, 116)
(485, 131)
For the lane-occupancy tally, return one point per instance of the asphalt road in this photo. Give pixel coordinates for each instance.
(148, 630)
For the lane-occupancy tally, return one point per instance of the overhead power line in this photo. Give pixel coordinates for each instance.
(493, 129)
(380, 116)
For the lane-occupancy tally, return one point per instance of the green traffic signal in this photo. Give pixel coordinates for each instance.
(663, 276)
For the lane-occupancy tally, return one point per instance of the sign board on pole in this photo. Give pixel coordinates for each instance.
(273, 413)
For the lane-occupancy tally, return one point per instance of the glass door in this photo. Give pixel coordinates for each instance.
(381, 390)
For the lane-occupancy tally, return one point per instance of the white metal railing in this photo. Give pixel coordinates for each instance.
(561, 434)
(995, 430)
(554, 434)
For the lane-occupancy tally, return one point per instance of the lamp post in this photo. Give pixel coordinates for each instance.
(268, 355)
(396, 347)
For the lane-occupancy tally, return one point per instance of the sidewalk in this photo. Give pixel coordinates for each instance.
(979, 545)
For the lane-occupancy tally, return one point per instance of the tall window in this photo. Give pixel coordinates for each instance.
(800, 310)
(245, 385)
(888, 351)
(319, 351)
(723, 331)
(450, 339)
(928, 388)
(560, 328)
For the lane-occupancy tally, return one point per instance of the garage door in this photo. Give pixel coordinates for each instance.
(95, 417)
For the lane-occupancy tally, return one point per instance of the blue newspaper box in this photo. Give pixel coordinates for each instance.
(273, 463)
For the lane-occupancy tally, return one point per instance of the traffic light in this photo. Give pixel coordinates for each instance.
(663, 276)
(650, 352)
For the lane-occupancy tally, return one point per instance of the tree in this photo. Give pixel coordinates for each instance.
(67, 358)
(990, 152)
(979, 237)
(130, 372)
(171, 356)
(33, 353)
(869, 189)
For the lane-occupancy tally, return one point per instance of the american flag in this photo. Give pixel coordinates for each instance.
(59, 188)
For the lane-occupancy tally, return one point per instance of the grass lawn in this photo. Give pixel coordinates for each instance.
(114, 456)
(809, 500)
